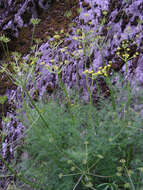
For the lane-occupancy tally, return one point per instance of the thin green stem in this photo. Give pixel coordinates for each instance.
(128, 85)
(131, 182)
(62, 85)
(101, 52)
(2, 110)
(100, 176)
(7, 52)
(71, 174)
(78, 181)
(34, 105)
(111, 92)
(33, 34)
(86, 77)
(77, 76)
(17, 175)
(102, 56)
(3, 48)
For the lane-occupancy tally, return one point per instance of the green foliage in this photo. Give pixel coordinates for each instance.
(71, 144)
(12, 187)
(3, 99)
(68, 14)
(100, 148)
(4, 41)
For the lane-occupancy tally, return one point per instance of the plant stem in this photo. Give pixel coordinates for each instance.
(128, 85)
(86, 77)
(103, 60)
(18, 176)
(132, 185)
(33, 34)
(2, 110)
(78, 181)
(7, 52)
(34, 105)
(111, 92)
(3, 48)
(66, 94)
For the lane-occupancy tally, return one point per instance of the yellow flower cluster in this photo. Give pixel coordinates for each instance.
(140, 169)
(4, 39)
(127, 185)
(35, 21)
(122, 161)
(119, 171)
(64, 49)
(77, 53)
(102, 71)
(53, 68)
(56, 36)
(80, 37)
(136, 54)
(126, 56)
(124, 51)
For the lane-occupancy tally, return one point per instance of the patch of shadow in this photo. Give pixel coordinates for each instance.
(26, 16)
